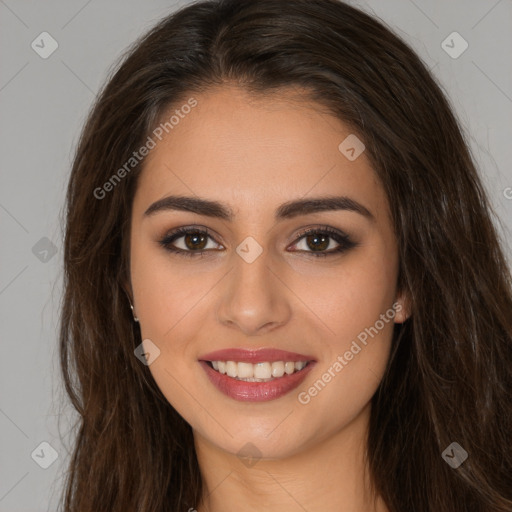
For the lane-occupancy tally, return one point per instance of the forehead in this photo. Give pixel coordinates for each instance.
(255, 152)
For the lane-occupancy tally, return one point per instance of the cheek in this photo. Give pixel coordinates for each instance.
(166, 289)
(350, 295)
(172, 303)
(354, 306)
(353, 363)
(170, 306)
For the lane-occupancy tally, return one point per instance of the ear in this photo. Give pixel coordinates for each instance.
(402, 305)
(126, 286)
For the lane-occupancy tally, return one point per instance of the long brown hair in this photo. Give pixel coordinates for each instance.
(449, 377)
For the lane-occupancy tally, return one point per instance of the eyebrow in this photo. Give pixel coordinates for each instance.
(287, 210)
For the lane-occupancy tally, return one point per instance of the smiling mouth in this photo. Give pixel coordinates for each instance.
(258, 372)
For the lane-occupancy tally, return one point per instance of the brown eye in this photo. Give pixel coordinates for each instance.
(318, 240)
(195, 242)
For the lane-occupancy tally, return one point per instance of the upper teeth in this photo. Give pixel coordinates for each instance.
(258, 371)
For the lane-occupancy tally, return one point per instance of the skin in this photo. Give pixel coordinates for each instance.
(253, 154)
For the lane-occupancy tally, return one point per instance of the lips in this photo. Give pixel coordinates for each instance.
(242, 390)
(254, 356)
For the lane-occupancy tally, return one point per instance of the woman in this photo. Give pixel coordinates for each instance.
(283, 286)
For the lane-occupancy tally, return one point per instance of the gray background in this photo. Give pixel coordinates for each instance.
(43, 105)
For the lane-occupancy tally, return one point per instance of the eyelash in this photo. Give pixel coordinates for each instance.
(344, 241)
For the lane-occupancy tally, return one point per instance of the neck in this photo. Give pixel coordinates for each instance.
(332, 474)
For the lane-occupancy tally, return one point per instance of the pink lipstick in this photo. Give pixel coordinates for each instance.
(256, 375)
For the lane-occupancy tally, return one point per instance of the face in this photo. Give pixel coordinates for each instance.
(276, 285)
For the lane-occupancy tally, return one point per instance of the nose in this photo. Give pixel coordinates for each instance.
(255, 298)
